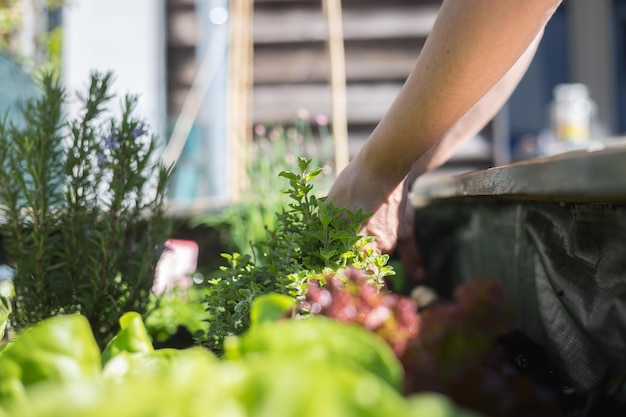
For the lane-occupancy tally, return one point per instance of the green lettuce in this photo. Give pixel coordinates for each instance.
(132, 337)
(319, 338)
(306, 368)
(56, 350)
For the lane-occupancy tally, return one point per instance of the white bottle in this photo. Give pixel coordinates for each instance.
(571, 113)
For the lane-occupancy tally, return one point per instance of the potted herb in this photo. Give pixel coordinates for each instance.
(83, 208)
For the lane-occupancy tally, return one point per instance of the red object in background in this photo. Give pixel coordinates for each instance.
(176, 265)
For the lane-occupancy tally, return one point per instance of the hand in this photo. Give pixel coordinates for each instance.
(406, 247)
(356, 187)
(392, 214)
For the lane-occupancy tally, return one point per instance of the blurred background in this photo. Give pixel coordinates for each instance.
(218, 79)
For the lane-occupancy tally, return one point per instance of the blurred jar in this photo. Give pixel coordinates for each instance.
(571, 113)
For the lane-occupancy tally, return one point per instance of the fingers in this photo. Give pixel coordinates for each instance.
(407, 249)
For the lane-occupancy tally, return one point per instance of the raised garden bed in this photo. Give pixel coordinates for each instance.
(553, 232)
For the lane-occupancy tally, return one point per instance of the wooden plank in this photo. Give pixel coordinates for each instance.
(269, 3)
(475, 152)
(347, 4)
(182, 27)
(374, 62)
(181, 3)
(176, 98)
(280, 104)
(291, 65)
(573, 177)
(298, 25)
(382, 61)
(181, 66)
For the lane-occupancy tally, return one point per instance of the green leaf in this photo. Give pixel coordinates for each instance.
(437, 405)
(313, 174)
(132, 337)
(344, 235)
(61, 349)
(125, 366)
(327, 254)
(303, 163)
(270, 307)
(325, 219)
(323, 339)
(386, 271)
(289, 176)
(381, 260)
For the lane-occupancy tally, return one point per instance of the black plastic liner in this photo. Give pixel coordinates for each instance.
(563, 267)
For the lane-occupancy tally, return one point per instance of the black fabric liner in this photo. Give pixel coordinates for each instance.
(563, 267)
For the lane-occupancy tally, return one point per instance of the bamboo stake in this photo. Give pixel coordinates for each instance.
(332, 11)
(240, 82)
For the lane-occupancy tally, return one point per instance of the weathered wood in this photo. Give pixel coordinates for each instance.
(475, 152)
(576, 176)
(182, 27)
(180, 38)
(291, 64)
(181, 66)
(181, 3)
(281, 103)
(306, 25)
(346, 3)
(176, 98)
(310, 63)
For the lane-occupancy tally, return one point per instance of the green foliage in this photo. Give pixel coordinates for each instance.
(321, 339)
(47, 42)
(57, 350)
(273, 150)
(6, 293)
(54, 369)
(268, 308)
(311, 236)
(10, 21)
(83, 203)
(175, 308)
(132, 337)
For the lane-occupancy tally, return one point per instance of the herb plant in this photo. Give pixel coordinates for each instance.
(312, 236)
(83, 202)
(175, 310)
(245, 221)
(348, 296)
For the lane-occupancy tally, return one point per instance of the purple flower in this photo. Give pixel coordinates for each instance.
(140, 130)
(112, 141)
(100, 159)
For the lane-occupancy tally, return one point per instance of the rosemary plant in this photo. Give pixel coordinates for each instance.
(83, 202)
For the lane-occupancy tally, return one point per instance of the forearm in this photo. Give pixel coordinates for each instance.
(472, 45)
(477, 117)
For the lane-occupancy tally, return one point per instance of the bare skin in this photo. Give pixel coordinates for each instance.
(452, 91)
(465, 128)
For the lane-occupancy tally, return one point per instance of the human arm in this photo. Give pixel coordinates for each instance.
(465, 128)
(472, 122)
(473, 44)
